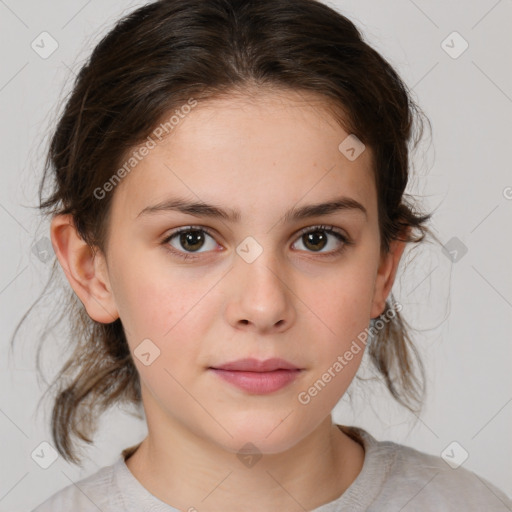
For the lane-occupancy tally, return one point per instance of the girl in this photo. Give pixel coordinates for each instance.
(228, 207)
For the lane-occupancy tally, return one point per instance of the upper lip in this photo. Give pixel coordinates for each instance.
(256, 365)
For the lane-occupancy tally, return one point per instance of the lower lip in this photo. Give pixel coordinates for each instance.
(258, 382)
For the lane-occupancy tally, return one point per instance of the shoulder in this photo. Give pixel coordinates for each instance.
(87, 495)
(419, 481)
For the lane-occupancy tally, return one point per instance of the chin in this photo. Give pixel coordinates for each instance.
(254, 432)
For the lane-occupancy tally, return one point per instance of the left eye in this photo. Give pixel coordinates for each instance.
(316, 239)
(192, 239)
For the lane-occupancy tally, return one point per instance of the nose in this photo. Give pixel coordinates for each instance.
(261, 299)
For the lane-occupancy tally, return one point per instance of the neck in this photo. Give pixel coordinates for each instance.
(189, 472)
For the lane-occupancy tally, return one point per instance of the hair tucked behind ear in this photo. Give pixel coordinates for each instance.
(151, 63)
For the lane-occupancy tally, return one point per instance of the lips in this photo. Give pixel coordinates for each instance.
(255, 365)
(257, 377)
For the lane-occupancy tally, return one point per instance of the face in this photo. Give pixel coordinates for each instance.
(259, 281)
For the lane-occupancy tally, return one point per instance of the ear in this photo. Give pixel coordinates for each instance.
(386, 276)
(85, 269)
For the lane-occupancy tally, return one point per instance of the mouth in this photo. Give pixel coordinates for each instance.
(258, 377)
(255, 365)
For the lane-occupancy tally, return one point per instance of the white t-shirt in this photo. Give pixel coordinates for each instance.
(394, 478)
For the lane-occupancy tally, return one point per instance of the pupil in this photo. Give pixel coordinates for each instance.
(189, 236)
(316, 237)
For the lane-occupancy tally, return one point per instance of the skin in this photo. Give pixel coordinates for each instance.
(262, 154)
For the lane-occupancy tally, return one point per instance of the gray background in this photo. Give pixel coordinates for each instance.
(461, 306)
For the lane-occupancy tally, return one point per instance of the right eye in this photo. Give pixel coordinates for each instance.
(187, 240)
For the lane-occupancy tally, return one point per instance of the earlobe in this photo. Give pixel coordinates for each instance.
(85, 269)
(386, 276)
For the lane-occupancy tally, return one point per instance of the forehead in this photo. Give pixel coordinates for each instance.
(269, 149)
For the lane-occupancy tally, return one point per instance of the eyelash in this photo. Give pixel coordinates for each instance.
(191, 256)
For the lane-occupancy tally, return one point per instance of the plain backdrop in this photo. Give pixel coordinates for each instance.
(456, 57)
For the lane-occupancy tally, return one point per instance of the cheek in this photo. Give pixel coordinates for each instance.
(152, 303)
(342, 313)
(344, 304)
(174, 313)
(172, 325)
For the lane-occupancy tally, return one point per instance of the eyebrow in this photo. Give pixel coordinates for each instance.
(201, 209)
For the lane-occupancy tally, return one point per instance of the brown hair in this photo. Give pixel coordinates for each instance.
(158, 58)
